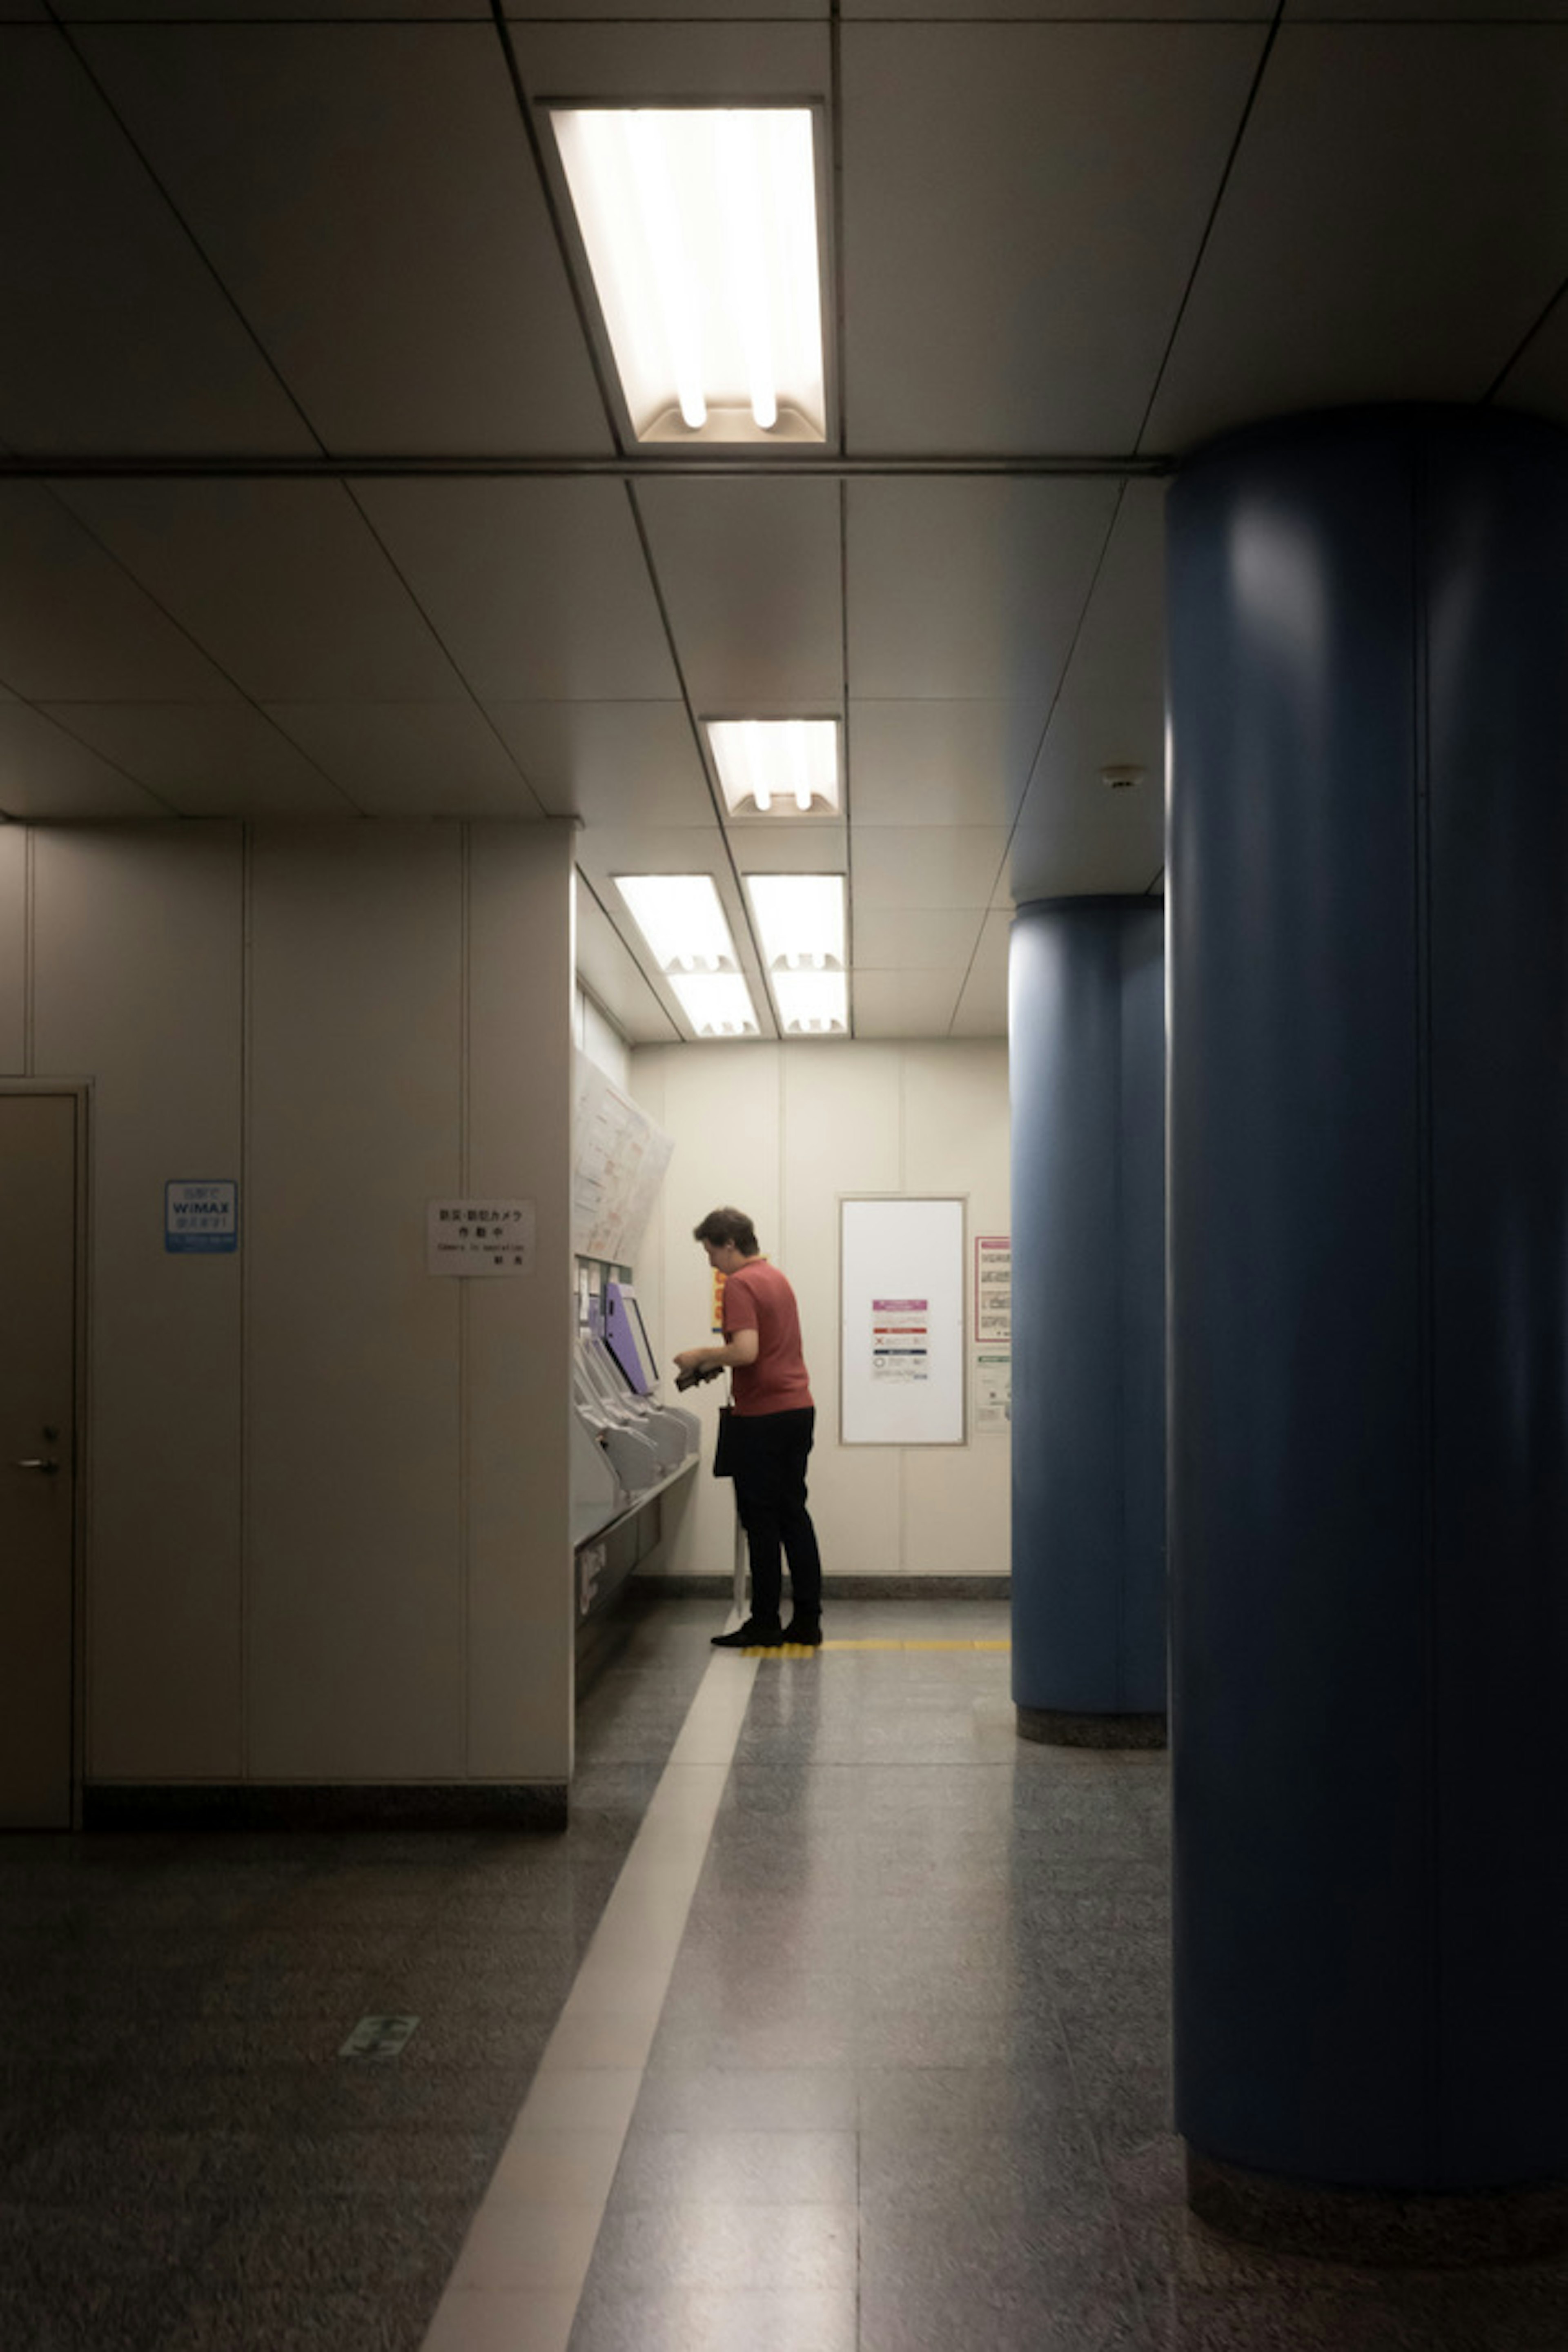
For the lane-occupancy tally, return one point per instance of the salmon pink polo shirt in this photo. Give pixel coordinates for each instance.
(758, 1298)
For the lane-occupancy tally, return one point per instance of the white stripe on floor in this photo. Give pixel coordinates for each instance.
(520, 2275)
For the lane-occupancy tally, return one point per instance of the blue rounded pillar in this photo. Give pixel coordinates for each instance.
(1087, 1048)
(1368, 889)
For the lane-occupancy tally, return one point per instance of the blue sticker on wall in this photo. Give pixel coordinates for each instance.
(201, 1214)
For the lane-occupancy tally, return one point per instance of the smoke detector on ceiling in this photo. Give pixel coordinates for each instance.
(1121, 777)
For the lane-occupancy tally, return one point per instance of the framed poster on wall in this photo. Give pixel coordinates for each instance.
(901, 1335)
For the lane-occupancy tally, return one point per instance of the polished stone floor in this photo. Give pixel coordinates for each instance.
(909, 2090)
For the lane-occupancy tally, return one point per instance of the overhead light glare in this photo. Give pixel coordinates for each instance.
(699, 224)
(718, 1004)
(680, 918)
(812, 1004)
(801, 921)
(783, 766)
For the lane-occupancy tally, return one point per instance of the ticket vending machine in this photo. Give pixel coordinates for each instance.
(627, 1444)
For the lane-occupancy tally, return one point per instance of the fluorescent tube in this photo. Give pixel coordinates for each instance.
(717, 1003)
(680, 918)
(714, 210)
(800, 918)
(812, 1004)
(786, 765)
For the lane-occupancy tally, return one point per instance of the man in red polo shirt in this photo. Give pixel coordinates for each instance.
(770, 1432)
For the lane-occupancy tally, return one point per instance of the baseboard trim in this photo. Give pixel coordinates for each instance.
(278, 1805)
(849, 1588)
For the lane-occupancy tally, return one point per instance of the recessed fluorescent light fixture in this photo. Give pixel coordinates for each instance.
(780, 767)
(699, 224)
(717, 1003)
(801, 919)
(681, 916)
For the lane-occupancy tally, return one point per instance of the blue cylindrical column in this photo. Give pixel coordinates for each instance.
(1087, 1048)
(1369, 1329)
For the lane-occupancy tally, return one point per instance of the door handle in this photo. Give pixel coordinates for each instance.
(47, 1467)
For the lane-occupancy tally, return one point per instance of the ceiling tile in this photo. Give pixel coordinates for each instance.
(1538, 383)
(608, 762)
(904, 1003)
(895, 939)
(283, 582)
(686, 63)
(630, 11)
(410, 305)
(540, 591)
(117, 335)
(1075, 854)
(1425, 11)
(1110, 712)
(263, 12)
(929, 865)
(940, 762)
(983, 1007)
(47, 775)
(970, 590)
(410, 758)
(609, 971)
(1108, 12)
(1023, 205)
(74, 627)
(206, 759)
(1371, 247)
(817, 848)
(750, 573)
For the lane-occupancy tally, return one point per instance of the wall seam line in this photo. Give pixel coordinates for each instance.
(247, 1128)
(29, 950)
(465, 1176)
(1421, 814)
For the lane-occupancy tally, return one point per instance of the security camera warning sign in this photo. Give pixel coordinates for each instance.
(479, 1237)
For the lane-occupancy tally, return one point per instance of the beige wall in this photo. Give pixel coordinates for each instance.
(326, 1512)
(785, 1130)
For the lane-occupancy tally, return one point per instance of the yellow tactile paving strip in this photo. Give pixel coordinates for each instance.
(812, 1650)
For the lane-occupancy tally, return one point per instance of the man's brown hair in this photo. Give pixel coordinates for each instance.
(727, 1229)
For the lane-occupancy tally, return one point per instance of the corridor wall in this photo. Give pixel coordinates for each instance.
(328, 1533)
(783, 1130)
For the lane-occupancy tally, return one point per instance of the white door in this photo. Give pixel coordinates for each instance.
(38, 1385)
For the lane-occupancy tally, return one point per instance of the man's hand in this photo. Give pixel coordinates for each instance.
(689, 1357)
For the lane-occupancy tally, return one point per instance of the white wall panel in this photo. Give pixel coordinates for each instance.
(13, 950)
(518, 1335)
(842, 1133)
(841, 1117)
(138, 986)
(721, 1105)
(958, 1139)
(356, 1641)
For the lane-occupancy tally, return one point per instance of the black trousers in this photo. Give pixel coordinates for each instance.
(770, 1451)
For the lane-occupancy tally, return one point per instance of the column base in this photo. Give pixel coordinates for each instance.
(1377, 2226)
(1064, 1728)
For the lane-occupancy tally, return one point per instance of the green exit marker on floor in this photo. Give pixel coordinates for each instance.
(378, 2037)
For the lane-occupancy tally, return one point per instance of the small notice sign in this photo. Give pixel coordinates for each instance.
(479, 1237)
(900, 1340)
(992, 1389)
(201, 1214)
(993, 1287)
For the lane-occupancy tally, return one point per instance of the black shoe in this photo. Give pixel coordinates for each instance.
(751, 1636)
(805, 1630)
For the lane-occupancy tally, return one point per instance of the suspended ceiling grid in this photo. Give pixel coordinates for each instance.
(313, 504)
